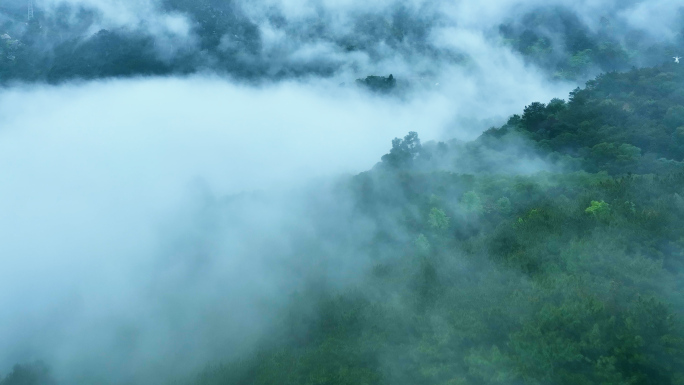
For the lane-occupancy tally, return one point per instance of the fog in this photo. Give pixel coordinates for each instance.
(151, 223)
(103, 225)
(275, 39)
(98, 177)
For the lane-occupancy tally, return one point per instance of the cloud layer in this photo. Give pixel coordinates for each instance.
(120, 253)
(102, 218)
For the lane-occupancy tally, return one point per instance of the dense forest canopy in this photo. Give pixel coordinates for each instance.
(549, 250)
(487, 276)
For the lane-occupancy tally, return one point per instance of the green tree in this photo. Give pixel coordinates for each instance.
(503, 206)
(422, 244)
(472, 203)
(30, 374)
(403, 151)
(534, 115)
(674, 117)
(438, 220)
(599, 209)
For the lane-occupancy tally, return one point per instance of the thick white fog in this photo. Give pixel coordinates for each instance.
(103, 183)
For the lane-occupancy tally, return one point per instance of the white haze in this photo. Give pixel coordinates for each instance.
(100, 188)
(91, 173)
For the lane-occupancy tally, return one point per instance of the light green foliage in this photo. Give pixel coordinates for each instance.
(438, 220)
(599, 209)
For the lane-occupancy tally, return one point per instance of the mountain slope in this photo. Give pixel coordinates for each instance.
(551, 277)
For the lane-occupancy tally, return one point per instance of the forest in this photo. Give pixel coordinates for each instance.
(482, 273)
(60, 46)
(565, 276)
(547, 251)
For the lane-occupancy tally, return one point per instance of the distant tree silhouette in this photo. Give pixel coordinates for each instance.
(403, 151)
(29, 374)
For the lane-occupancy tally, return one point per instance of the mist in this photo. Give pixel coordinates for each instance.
(107, 177)
(275, 40)
(154, 222)
(121, 254)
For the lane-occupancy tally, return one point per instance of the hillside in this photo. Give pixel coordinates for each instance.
(484, 276)
(547, 251)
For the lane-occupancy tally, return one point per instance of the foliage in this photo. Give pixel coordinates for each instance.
(568, 276)
(547, 251)
(438, 219)
(599, 209)
(65, 44)
(403, 151)
(471, 202)
(31, 374)
(620, 123)
(503, 205)
(378, 83)
(558, 40)
(422, 243)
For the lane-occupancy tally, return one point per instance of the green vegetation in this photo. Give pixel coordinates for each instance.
(548, 251)
(378, 83)
(61, 45)
(567, 276)
(556, 39)
(32, 374)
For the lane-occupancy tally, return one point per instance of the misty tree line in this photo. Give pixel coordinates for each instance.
(36, 373)
(489, 275)
(57, 47)
(556, 39)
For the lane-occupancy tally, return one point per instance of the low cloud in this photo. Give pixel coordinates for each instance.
(120, 254)
(290, 38)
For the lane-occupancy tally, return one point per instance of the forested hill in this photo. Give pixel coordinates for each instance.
(548, 251)
(559, 40)
(488, 274)
(629, 122)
